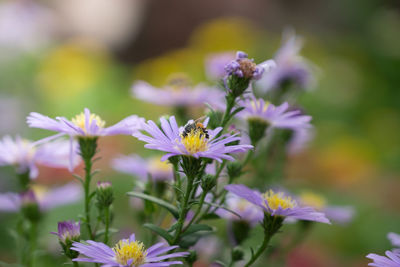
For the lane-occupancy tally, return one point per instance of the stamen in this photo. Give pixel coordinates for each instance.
(195, 141)
(276, 200)
(248, 67)
(80, 121)
(126, 251)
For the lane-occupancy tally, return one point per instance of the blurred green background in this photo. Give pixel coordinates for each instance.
(90, 52)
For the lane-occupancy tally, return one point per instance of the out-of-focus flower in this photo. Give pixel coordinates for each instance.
(208, 247)
(394, 239)
(25, 155)
(215, 64)
(177, 93)
(85, 124)
(337, 214)
(274, 116)
(300, 140)
(47, 199)
(24, 26)
(244, 67)
(127, 252)
(277, 204)
(142, 168)
(391, 259)
(192, 140)
(291, 68)
(247, 211)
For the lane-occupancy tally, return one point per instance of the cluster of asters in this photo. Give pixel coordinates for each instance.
(201, 161)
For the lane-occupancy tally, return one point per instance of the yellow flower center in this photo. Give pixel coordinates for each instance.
(276, 200)
(80, 121)
(156, 164)
(314, 200)
(125, 251)
(195, 141)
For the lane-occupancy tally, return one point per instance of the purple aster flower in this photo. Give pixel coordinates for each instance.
(177, 94)
(274, 116)
(197, 142)
(85, 124)
(300, 139)
(277, 204)
(338, 214)
(394, 239)
(215, 64)
(68, 230)
(140, 167)
(391, 260)
(127, 253)
(47, 199)
(290, 67)
(244, 67)
(25, 155)
(248, 212)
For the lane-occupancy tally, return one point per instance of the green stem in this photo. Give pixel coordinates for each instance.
(75, 263)
(107, 224)
(203, 196)
(184, 210)
(230, 102)
(88, 178)
(260, 250)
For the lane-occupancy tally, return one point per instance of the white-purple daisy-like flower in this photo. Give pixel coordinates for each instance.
(215, 64)
(127, 253)
(247, 211)
(192, 140)
(243, 67)
(290, 67)
(47, 199)
(277, 204)
(178, 95)
(25, 155)
(390, 260)
(338, 214)
(68, 230)
(142, 168)
(275, 116)
(85, 124)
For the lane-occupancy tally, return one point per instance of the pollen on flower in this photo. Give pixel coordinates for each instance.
(195, 141)
(313, 200)
(248, 67)
(130, 252)
(80, 121)
(276, 200)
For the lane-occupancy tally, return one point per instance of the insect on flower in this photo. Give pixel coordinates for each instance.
(192, 127)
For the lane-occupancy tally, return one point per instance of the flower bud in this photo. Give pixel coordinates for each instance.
(234, 169)
(87, 146)
(257, 128)
(237, 254)
(104, 194)
(30, 207)
(68, 232)
(208, 182)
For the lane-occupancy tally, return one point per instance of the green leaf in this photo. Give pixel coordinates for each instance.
(197, 228)
(171, 208)
(161, 232)
(190, 240)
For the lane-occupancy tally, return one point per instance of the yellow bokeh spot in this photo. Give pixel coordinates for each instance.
(126, 250)
(276, 200)
(313, 200)
(79, 120)
(195, 141)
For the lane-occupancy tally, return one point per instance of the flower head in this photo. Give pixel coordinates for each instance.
(85, 124)
(277, 204)
(142, 168)
(25, 155)
(274, 116)
(244, 67)
(127, 253)
(191, 140)
(177, 94)
(46, 198)
(68, 231)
